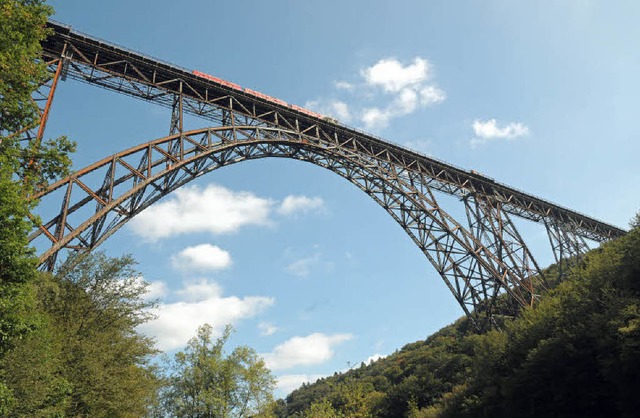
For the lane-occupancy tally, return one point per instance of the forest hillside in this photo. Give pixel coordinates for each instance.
(577, 353)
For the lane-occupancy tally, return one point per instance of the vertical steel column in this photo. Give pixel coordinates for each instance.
(568, 247)
(176, 125)
(493, 228)
(474, 273)
(32, 137)
(44, 116)
(60, 227)
(43, 99)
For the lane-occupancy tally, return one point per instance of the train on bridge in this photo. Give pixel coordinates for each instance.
(262, 96)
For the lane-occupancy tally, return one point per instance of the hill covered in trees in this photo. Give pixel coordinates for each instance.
(577, 353)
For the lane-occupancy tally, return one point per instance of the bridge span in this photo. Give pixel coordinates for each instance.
(479, 257)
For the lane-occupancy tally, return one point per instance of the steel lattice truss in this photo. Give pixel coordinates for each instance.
(478, 262)
(121, 186)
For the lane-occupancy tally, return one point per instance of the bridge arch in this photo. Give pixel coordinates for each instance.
(99, 199)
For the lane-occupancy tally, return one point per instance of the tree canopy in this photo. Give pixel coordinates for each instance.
(206, 382)
(86, 357)
(22, 71)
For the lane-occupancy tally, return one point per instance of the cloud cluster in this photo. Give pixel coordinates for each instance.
(198, 303)
(393, 77)
(214, 209)
(304, 351)
(489, 130)
(191, 209)
(390, 88)
(398, 89)
(407, 84)
(156, 290)
(203, 257)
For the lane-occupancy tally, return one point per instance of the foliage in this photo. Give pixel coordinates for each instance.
(20, 37)
(205, 382)
(85, 358)
(417, 375)
(22, 23)
(356, 399)
(21, 73)
(577, 353)
(23, 168)
(322, 409)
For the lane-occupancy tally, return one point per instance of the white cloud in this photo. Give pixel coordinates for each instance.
(202, 257)
(405, 84)
(406, 101)
(213, 209)
(341, 111)
(344, 85)
(156, 290)
(200, 302)
(336, 109)
(387, 89)
(304, 351)
(290, 382)
(299, 204)
(198, 291)
(374, 118)
(488, 130)
(431, 95)
(302, 267)
(392, 76)
(267, 328)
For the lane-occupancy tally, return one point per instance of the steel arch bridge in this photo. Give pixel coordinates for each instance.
(480, 257)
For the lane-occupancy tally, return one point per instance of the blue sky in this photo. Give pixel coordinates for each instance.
(314, 275)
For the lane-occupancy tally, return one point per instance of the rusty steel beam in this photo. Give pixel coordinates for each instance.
(43, 100)
(103, 64)
(483, 265)
(117, 188)
(567, 245)
(494, 229)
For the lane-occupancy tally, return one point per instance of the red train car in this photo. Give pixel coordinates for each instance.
(258, 94)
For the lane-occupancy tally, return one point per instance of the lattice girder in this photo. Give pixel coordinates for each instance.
(493, 227)
(128, 182)
(567, 245)
(100, 63)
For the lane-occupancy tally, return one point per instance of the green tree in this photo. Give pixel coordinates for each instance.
(322, 409)
(575, 354)
(22, 24)
(206, 382)
(85, 358)
(356, 399)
